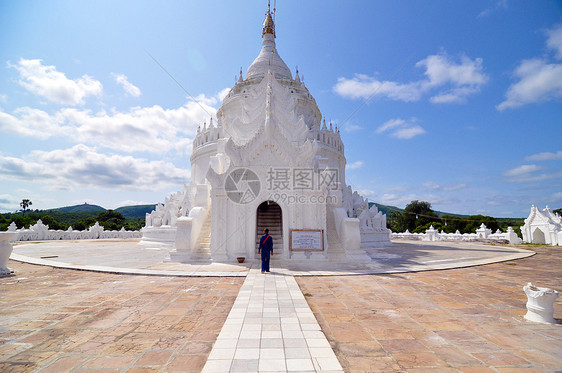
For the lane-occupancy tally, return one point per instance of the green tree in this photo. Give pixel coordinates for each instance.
(558, 211)
(416, 213)
(83, 224)
(25, 203)
(422, 228)
(475, 221)
(454, 223)
(52, 223)
(111, 220)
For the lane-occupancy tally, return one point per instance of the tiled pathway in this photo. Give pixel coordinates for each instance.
(271, 328)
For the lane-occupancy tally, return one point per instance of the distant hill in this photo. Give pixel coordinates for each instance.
(137, 211)
(385, 209)
(78, 208)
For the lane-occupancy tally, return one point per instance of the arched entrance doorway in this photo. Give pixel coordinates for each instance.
(270, 216)
(538, 236)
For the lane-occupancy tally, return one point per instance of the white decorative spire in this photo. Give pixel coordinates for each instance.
(268, 57)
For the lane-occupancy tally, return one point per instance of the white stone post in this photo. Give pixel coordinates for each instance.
(540, 304)
(5, 251)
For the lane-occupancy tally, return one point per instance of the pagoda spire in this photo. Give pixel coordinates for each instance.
(268, 24)
(269, 57)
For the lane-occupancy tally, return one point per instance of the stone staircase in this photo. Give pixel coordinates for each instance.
(202, 252)
(270, 218)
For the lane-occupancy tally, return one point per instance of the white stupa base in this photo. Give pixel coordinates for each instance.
(375, 239)
(164, 235)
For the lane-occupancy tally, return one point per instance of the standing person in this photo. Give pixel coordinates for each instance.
(265, 249)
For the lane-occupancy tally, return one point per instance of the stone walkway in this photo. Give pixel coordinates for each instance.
(60, 320)
(271, 329)
(458, 320)
(466, 320)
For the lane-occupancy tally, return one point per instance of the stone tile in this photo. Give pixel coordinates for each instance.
(247, 353)
(369, 364)
(187, 363)
(419, 359)
(244, 365)
(217, 366)
(156, 358)
(297, 353)
(299, 364)
(64, 364)
(272, 353)
(222, 353)
(109, 362)
(272, 365)
(402, 345)
(500, 358)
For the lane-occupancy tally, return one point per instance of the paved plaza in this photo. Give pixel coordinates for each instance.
(293, 319)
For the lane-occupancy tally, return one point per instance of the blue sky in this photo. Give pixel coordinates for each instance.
(457, 103)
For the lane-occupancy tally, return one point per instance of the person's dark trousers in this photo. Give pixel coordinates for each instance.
(265, 260)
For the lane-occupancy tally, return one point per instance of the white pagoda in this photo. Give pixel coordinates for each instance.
(269, 161)
(542, 227)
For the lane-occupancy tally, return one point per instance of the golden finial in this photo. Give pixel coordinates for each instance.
(268, 24)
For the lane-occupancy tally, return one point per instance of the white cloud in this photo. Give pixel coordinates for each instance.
(28, 122)
(401, 129)
(501, 4)
(554, 40)
(556, 197)
(546, 156)
(354, 165)
(523, 170)
(538, 80)
(363, 86)
(53, 85)
(350, 127)
(430, 185)
(130, 88)
(441, 70)
(403, 199)
(408, 133)
(393, 123)
(9, 202)
(84, 167)
(530, 173)
(454, 82)
(454, 187)
(222, 94)
(130, 202)
(141, 129)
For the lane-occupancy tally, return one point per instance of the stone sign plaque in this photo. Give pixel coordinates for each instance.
(307, 239)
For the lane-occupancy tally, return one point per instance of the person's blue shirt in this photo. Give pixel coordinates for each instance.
(266, 249)
(266, 243)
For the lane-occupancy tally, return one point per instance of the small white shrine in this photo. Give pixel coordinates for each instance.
(542, 227)
(269, 161)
